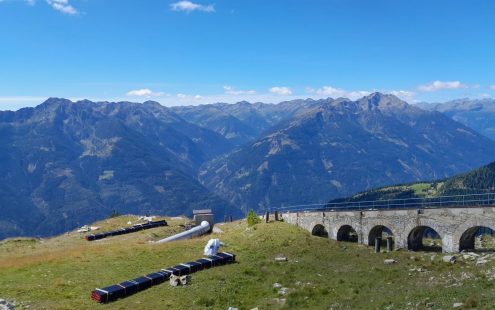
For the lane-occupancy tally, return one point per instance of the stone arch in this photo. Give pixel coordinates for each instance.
(320, 231)
(378, 231)
(416, 235)
(467, 239)
(446, 234)
(347, 233)
(467, 226)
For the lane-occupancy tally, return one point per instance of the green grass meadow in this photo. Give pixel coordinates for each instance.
(60, 272)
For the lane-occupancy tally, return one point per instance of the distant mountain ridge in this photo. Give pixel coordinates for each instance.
(242, 122)
(64, 164)
(478, 114)
(340, 147)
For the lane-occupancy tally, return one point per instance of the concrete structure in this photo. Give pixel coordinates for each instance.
(457, 227)
(203, 215)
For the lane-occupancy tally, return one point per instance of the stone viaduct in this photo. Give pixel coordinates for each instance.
(456, 226)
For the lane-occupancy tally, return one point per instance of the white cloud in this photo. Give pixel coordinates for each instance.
(186, 97)
(144, 92)
(231, 91)
(439, 85)
(329, 91)
(333, 92)
(192, 99)
(188, 6)
(280, 90)
(403, 94)
(62, 6)
(492, 87)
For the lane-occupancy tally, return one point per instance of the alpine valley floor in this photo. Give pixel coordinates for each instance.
(60, 272)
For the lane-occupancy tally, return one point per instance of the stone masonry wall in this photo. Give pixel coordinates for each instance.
(449, 223)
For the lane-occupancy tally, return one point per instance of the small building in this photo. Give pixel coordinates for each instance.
(203, 215)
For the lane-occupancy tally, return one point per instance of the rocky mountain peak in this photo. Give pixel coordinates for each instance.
(375, 102)
(243, 103)
(55, 101)
(152, 103)
(84, 101)
(381, 101)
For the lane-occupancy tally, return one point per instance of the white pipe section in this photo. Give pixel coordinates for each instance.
(193, 232)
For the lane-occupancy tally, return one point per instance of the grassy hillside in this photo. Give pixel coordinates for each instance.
(481, 180)
(59, 273)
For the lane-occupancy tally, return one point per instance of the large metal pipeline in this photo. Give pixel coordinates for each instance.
(193, 232)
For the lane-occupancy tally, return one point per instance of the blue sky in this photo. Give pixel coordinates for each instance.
(182, 52)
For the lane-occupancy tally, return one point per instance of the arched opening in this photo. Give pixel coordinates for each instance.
(424, 238)
(379, 231)
(478, 238)
(320, 231)
(347, 233)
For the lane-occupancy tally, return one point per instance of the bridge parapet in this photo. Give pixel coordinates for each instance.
(441, 202)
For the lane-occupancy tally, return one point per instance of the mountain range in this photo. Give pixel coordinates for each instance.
(64, 164)
(478, 114)
(242, 122)
(339, 147)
